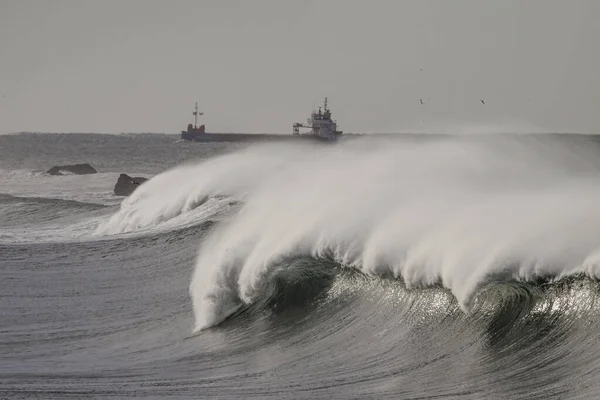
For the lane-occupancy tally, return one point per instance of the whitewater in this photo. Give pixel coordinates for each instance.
(453, 212)
(451, 266)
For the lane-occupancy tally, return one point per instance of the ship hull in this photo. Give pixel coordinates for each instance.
(248, 137)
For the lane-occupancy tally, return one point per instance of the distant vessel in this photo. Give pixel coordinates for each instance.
(194, 131)
(320, 124)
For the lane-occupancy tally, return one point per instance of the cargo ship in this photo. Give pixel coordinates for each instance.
(320, 124)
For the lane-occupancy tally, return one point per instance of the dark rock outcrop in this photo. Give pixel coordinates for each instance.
(126, 184)
(78, 169)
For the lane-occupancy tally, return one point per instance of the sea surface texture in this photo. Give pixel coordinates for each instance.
(405, 267)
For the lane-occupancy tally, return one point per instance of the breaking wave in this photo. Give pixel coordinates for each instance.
(463, 213)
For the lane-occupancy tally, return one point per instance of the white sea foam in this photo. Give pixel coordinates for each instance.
(456, 211)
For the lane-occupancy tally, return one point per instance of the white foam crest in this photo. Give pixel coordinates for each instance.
(182, 189)
(457, 211)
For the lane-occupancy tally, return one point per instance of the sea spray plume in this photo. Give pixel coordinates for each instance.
(184, 188)
(460, 212)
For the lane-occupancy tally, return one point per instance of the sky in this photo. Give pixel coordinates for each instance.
(259, 66)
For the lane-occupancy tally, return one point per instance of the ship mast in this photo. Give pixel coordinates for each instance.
(196, 113)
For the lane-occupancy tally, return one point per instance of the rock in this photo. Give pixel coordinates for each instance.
(77, 169)
(126, 184)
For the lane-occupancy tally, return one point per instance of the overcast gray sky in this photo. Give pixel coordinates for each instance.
(260, 65)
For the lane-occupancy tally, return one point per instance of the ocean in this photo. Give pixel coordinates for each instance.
(404, 267)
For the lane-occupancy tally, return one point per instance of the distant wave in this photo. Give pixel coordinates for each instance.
(40, 219)
(24, 211)
(48, 201)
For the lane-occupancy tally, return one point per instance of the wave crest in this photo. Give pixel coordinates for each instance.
(460, 212)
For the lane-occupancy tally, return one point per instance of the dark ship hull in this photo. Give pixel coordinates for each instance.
(245, 137)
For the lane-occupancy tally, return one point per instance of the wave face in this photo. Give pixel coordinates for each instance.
(413, 267)
(460, 213)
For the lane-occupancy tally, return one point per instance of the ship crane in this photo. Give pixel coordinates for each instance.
(320, 124)
(299, 125)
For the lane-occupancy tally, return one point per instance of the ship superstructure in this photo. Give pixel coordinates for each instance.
(320, 124)
(194, 131)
